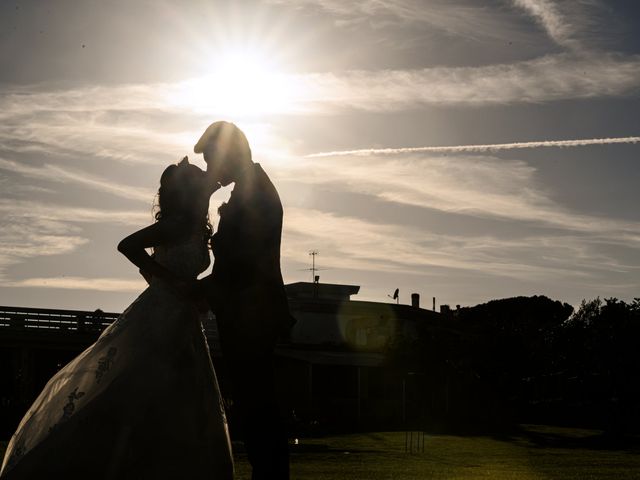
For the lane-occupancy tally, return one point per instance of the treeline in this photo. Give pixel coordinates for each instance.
(526, 359)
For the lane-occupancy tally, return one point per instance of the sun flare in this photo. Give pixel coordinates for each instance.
(241, 84)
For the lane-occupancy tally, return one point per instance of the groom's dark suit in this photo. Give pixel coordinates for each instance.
(246, 292)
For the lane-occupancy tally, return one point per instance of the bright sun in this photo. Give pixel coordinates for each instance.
(241, 84)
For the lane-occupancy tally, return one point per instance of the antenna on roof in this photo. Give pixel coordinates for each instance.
(313, 254)
(396, 295)
(314, 270)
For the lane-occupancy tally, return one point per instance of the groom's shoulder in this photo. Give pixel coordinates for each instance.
(265, 182)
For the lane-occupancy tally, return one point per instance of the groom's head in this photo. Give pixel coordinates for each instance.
(226, 151)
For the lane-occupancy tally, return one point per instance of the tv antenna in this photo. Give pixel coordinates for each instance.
(314, 276)
(313, 268)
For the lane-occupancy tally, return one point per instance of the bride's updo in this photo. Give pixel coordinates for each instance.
(180, 193)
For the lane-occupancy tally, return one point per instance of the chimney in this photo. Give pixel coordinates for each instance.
(434, 304)
(415, 300)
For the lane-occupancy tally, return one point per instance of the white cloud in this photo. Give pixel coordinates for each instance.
(24, 236)
(553, 77)
(80, 283)
(470, 21)
(56, 173)
(29, 229)
(35, 211)
(482, 186)
(82, 121)
(24, 242)
(547, 13)
(566, 23)
(86, 129)
(353, 243)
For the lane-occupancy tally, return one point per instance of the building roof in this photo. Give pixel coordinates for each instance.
(321, 290)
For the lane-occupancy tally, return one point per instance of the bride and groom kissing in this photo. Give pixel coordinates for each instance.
(143, 401)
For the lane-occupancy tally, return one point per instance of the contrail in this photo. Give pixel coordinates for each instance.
(478, 148)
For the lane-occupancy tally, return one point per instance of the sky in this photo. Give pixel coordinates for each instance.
(347, 106)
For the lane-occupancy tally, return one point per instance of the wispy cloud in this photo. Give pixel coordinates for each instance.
(547, 14)
(403, 249)
(31, 229)
(478, 148)
(23, 237)
(20, 241)
(86, 120)
(566, 23)
(464, 20)
(481, 186)
(549, 78)
(56, 173)
(134, 137)
(80, 283)
(36, 211)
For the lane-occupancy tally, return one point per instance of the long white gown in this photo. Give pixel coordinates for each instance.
(141, 402)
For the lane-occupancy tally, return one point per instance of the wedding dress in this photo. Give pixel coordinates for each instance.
(141, 402)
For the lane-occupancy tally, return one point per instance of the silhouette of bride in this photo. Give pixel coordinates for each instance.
(143, 400)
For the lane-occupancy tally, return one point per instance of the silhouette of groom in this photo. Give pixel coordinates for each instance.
(246, 292)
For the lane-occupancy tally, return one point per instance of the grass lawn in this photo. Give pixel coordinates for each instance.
(534, 452)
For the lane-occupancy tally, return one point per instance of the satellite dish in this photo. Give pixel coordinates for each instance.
(395, 296)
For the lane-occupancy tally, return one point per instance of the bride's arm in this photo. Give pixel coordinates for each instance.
(162, 232)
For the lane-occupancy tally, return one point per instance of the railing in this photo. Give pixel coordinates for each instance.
(49, 320)
(41, 319)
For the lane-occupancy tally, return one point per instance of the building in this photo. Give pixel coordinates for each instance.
(336, 367)
(333, 369)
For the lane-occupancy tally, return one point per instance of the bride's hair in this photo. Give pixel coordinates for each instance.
(179, 186)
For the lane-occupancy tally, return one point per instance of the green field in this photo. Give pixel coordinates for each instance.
(534, 452)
